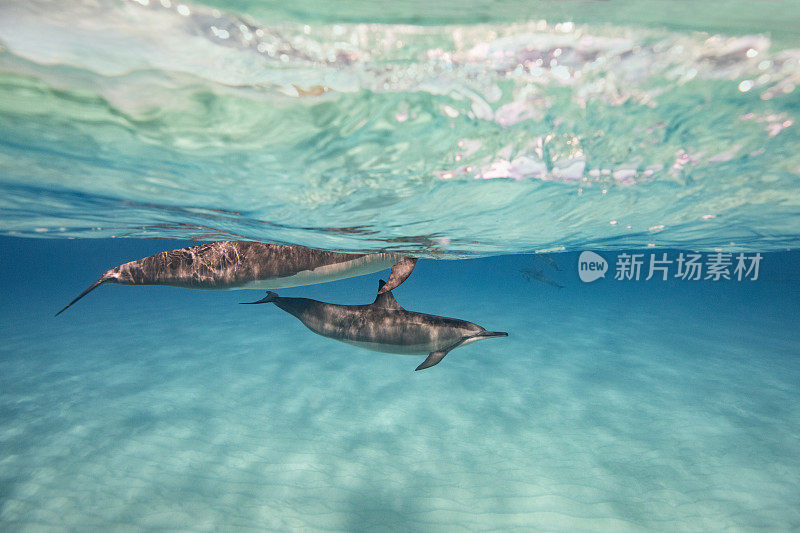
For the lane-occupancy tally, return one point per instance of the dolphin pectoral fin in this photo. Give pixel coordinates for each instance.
(93, 286)
(269, 298)
(400, 271)
(435, 357)
(432, 359)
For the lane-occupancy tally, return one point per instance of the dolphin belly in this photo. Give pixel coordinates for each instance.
(410, 349)
(358, 266)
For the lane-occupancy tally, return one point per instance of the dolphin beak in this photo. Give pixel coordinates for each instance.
(492, 334)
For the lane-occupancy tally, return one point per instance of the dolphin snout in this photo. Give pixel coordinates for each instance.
(492, 334)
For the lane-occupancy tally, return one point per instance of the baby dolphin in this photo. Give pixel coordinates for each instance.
(384, 326)
(231, 265)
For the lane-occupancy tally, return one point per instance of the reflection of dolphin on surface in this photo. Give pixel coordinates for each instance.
(384, 326)
(230, 265)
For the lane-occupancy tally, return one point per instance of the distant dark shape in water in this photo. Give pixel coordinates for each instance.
(547, 260)
(384, 326)
(231, 265)
(535, 274)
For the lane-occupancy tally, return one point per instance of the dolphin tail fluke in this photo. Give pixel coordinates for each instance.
(87, 291)
(269, 298)
(432, 359)
(400, 271)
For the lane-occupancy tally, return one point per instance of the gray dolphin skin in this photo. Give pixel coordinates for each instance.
(384, 326)
(231, 265)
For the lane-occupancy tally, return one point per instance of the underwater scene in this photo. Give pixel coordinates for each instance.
(511, 266)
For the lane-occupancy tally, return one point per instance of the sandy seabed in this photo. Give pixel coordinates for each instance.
(143, 409)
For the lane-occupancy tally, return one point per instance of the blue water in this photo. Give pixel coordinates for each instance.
(496, 141)
(611, 405)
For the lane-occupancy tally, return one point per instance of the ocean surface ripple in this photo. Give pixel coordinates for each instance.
(176, 120)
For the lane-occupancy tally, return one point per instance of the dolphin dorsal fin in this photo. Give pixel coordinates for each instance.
(386, 300)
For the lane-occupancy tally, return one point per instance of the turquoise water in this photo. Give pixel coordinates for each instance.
(495, 141)
(611, 405)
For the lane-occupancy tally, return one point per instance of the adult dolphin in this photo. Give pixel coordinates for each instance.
(231, 265)
(384, 326)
